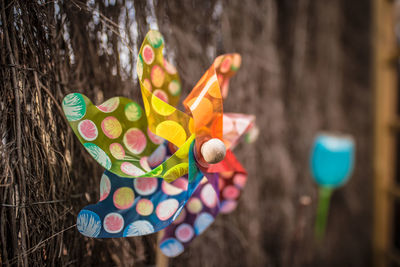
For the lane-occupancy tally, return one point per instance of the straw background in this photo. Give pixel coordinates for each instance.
(306, 68)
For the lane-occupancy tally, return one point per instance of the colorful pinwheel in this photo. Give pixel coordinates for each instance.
(183, 168)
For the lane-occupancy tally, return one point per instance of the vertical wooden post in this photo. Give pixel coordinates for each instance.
(161, 259)
(385, 89)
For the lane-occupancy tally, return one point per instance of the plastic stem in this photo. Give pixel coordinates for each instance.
(322, 212)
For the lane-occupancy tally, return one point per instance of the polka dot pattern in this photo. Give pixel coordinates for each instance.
(117, 151)
(148, 54)
(133, 111)
(235, 126)
(204, 204)
(194, 205)
(98, 154)
(74, 107)
(117, 136)
(131, 208)
(161, 88)
(88, 130)
(130, 169)
(145, 186)
(138, 228)
(209, 196)
(144, 207)
(110, 105)
(170, 190)
(171, 247)
(88, 223)
(129, 144)
(135, 140)
(184, 232)
(113, 223)
(166, 209)
(123, 198)
(171, 130)
(115, 116)
(105, 187)
(111, 127)
(157, 76)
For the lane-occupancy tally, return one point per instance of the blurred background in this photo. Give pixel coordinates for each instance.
(308, 66)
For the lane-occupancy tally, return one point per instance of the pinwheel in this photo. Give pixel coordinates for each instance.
(165, 169)
(332, 162)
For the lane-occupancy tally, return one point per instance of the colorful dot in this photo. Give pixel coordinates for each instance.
(88, 130)
(147, 84)
(180, 214)
(181, 183)
(159, 103)
(208, 196)
(145, 186)
(74, 107)
(237, 61)
(184, 232)
(157, 157)
(123, 198)
(110, 105)
(230, 192)
(155, 38)
(135, 140)
(111, 127)
(169, 67)
(174, 87)
(170, 190)
(240, 180)
(228, 206)
(98, 154)
(171, 247)
(88, 223)
(133, 111)
(155, 139)
(113, 223)
(226, 64)
(144, 164)
(157, 76)
(105, 187)
(144, 207)
(138, 228)
(171, 131)
(202, 222)
(166, 209)
(194, 205)
(117, 151)
(148, 54)
(130, 169)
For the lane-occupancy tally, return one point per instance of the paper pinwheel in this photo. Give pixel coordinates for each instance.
(332, 162)
(170, 154)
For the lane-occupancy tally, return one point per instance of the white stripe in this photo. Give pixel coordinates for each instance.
(203, 92)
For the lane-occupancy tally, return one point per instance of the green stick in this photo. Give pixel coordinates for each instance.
(322, 212)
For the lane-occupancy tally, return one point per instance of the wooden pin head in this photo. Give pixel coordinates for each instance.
(213, 151)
